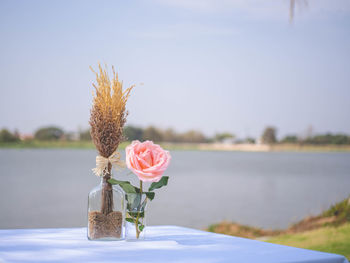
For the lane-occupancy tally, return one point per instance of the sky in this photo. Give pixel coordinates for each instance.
(216, 66)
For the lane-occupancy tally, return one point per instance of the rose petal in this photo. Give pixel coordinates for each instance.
(147, 160)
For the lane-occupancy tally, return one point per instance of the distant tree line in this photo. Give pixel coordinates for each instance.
(269, 136)
(168, 135)
(321, 139)
(49, 134)
(7, 136)
(52, 133)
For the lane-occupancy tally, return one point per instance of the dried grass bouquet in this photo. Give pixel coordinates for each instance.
(108, 116)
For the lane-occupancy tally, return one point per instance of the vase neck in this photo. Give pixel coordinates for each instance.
(104, 180)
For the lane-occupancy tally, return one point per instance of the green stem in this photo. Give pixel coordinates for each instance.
(138, 214)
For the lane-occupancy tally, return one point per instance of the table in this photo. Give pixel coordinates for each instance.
(162, 244)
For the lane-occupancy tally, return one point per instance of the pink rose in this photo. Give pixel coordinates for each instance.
(147, 160)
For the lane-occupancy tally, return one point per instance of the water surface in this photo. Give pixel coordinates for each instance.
(49, 187)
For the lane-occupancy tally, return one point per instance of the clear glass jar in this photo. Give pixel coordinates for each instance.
(135, 224)
(106, 212)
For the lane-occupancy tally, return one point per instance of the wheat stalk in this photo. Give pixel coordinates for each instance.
(108, 113)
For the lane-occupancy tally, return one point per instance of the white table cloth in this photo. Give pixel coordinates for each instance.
(163, 244)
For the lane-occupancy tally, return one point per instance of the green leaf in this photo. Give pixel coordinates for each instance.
(133, 201)
(142, 227)
(128, 187)
(135, 214)
(130, 220)
(137, 201)
(125, 185)
(162, 182)
(114, 181)
(150, 195)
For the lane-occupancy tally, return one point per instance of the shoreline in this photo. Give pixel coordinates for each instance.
(184, 146)
(328, 232)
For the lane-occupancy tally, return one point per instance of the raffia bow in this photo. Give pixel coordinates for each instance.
(102, 163)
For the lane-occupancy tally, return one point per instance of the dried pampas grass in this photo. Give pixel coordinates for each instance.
(108, 113)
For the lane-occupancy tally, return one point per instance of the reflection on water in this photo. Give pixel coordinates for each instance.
(48, 188)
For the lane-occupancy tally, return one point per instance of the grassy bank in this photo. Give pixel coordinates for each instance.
(49, 144)
(326, 239)
(309, 148)
(187, 146)
(327, 232)
(35, 144)
(52, 145)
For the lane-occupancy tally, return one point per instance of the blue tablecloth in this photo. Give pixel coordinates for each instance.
(164, 244)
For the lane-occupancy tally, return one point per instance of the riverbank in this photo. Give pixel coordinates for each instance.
(326, 239)
(274, 148)
(34, 144)
(186, 146)
(327, 232)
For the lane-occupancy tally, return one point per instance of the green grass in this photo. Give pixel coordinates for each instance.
(285, 147)
(49, 144)
(326, 239)
(327, 232)
(341, 211)
(82, 145)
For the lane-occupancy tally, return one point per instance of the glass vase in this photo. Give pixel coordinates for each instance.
(106, 212)
(135, 225)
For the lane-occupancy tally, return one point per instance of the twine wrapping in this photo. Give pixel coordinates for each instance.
(102, 163)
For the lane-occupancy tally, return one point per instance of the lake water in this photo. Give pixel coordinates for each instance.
(48, 188)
